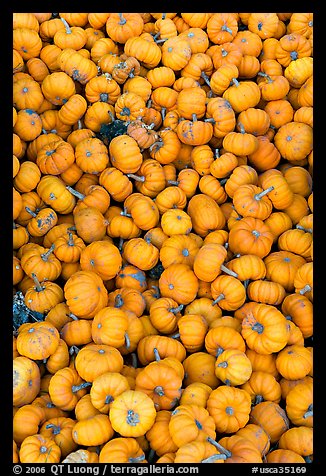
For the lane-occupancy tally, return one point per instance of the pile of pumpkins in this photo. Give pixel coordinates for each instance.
(163, 237)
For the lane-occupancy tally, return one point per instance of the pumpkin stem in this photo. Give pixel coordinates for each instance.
(306, 230)
(175, 336)
(132, 418)
(76, 388)
(210, 119)
(108, 399)
(120, 245)
(213, 458)
(30, 212)
(221, 448)
(229, 411)
(206, 78)
(265, 75)
(228, 271)
(38, 286)
(226, 28)
(137, 459)
(219, 351)
(118, 301)
(73, 350)
(157, 291)
(158, 144)
(108, 75)
(159, 390)
(134, 360)
(218, 299)
(156, 354)
(163, 16)
(122, 19)
(67, 27)
(70, 239)
(307, 288)
(151, 455)
(309, 412)
(223, 181)
(258, 399)
(125, 111)
(137, 177)
(161, 40)
(127, 340)
(125, 214)
(46, 255)
(194, 117)
(55, 429)
(72, 228)
(258, 327)
(246, 283)
(241, 127)
(175, 310)
(223, 364)
(173, 182)
(260, 195)
(75, 193)
(235, 82)
(104, 97)
(163, 113)
(73, 317)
